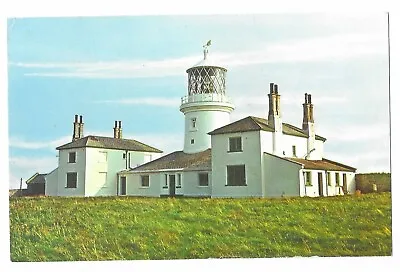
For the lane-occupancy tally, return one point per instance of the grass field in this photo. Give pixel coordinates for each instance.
(127, 228)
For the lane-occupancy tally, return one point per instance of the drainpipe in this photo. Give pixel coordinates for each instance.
(326, 182)
(304, 181)
(117, 184)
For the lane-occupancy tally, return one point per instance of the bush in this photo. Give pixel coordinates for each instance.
(364, 182)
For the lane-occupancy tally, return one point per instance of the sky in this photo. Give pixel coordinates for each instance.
(133, 69)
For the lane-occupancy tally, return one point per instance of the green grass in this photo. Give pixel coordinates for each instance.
(128, 228)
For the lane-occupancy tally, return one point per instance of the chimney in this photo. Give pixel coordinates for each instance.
(80, 127)
(120, 130)
(117, 130)
(76, 134)
(308, 125)
(274, 117)
(308, 112)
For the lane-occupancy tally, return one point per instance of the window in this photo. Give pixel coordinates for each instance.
(294, 151)
(72, 157)
(308, 178)
(179, 181)
(165, 181)
(192, 141)
(235, 144)
(236, 175)
(145, 181)
(328, 178)
(193, 122)
(72, 178)
(123, 185)
(337, 179)
(203, 179)
(124, 156)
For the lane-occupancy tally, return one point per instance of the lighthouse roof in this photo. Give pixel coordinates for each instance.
(207, 62)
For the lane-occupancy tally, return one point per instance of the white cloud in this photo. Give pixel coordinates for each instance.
(330, 48)
(17, 142)
(149, 101)
(355, 133)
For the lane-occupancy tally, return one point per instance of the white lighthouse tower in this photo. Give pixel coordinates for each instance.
(206, 106)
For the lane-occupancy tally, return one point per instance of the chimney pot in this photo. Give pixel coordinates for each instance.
(116, 124)
(76, 118)
(305, 98)
(80, 119)
(276, 88)
(309, 98)
(119, 123)
(271, 87)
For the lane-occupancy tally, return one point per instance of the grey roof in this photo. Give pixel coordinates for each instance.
(323, 164)
(252, 123)
(109, 143)
(36, 178)
(179, 160)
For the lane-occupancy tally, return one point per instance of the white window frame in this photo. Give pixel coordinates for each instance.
(227, 175)
(69, 157)
(148, 181)
(199, 179)
(179, 180)
(308, 178)
(76, 180)
(233, 144)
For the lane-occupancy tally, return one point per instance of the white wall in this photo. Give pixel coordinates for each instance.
(64, 167)
(51, 183)
(286, 145)
(281, 177)
(250, 157)
(134, 185)
(115, 163)
(330, 190)
(207, 120)
(190, 184)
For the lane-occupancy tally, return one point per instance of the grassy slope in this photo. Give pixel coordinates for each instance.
(52, 229)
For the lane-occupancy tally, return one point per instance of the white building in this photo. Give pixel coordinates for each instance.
(88, 166)
(252, 157)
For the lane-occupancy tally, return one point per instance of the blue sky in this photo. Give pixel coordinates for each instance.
(133, 69)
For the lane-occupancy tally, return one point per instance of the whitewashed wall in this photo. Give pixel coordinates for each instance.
(64, 167)
(51, 183)
(191, 187)
(134, 185)
(207, 119)
(250, 157)
(96, 168)
(281, 177)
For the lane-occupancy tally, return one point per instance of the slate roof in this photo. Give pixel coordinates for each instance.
(323, 164)
(109, 143)
(36, 179)
(252, 123)
(178, 160)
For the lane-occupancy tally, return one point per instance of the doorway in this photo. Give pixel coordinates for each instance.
(123, 185)
(172, 185)
(320, 184)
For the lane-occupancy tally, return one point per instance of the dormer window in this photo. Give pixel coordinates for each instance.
(72, 157)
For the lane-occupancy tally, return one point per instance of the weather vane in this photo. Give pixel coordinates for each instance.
(205, 48)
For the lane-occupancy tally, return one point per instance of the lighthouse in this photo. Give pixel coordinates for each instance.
(206, 106)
